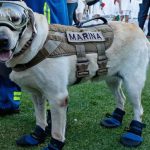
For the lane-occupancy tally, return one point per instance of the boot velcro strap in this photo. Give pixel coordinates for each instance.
(137, 124)
(136, 127)
(135, 130)
(39, 134)
(118, 114)
(57, 144)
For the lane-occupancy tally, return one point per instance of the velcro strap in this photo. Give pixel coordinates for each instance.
(39, 134)
(102, 65)
(82, 62)
(101, 60)
(56, 144)
(117, 114)
(136, 127)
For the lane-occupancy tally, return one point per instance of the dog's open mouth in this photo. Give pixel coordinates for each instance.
(5, 55)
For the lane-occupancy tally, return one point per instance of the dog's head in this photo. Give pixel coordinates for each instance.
(15, 16)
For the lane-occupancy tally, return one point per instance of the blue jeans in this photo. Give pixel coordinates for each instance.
(71, 11)
(7, 89)
(144, 8)
(58, 11)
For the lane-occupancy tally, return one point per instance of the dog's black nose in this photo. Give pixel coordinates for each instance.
(4, 42)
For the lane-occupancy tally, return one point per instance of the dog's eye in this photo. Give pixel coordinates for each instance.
(15, 19)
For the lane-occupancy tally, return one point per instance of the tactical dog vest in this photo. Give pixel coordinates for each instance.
(68, 40)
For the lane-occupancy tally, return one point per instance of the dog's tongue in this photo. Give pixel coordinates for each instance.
(5, 55)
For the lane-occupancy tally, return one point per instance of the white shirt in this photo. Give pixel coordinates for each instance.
(125, 5)
(72, 1)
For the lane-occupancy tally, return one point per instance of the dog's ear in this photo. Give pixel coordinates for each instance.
(32, 18)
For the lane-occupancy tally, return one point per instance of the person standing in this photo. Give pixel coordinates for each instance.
(36, 6)
(80, 10)
(125, 10)
(72, 6)
(55, 11)
(143, 13)
(116, 10)
(10, 93)
(58, 11)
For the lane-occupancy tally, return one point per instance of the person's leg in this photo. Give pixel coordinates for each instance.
(144, 7)
(10, 93)
(126, 18)
(121, 18)
(148, 34)
(74, 14)
(71, 8)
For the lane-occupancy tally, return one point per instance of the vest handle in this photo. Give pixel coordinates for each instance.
(81, 24)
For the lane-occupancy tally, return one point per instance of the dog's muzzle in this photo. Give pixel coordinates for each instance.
(13, 15)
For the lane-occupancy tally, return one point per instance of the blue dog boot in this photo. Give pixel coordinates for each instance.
(33, 139)
(55, 145)
(114, 120)
(132, 138)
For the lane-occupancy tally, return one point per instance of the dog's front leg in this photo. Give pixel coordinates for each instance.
(58, 116)
(39, 135)
(40, 111)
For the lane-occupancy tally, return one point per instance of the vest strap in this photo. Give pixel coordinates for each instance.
(82, 62)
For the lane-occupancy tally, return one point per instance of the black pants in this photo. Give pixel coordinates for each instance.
(4, 71)
(144, 8)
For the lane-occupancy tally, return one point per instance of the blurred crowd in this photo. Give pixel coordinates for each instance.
(118, 10)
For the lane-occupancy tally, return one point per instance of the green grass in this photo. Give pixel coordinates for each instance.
(88, 105)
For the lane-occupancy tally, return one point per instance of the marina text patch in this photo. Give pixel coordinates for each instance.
(86, 36)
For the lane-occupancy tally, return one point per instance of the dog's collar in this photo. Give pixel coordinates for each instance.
(41, 55)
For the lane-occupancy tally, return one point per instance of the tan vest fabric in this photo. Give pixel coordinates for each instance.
(57, 45)
(57, 34)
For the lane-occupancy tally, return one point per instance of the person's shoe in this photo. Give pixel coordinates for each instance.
(133, 138)
(55, 145)
(33, 139)
(113, 120)
(4, 112)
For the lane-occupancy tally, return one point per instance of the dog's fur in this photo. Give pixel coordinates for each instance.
(128, 59)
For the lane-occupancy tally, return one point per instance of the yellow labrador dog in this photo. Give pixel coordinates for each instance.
(23, 34)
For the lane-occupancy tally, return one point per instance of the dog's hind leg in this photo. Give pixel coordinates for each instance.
(39, 135)
(115, 119)
(134, 84)
(115, 85)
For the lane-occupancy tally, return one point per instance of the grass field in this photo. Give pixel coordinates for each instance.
(88, 105)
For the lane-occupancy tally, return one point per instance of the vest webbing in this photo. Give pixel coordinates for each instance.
(57, 45)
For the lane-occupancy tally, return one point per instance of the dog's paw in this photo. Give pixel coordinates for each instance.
(37, 137)
(55, 145)
(114, 120)
(133, 138)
